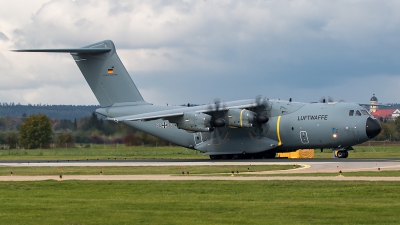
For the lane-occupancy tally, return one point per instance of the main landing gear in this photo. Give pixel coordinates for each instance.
(261, 155)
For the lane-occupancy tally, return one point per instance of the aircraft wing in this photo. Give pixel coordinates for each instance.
(165, 114)
(147, 116)
(372, 104)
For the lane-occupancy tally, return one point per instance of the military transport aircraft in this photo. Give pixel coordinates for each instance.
(254, 128)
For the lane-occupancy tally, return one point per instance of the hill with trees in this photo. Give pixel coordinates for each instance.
(69, 112)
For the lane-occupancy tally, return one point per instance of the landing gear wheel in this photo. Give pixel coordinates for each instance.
(247, 156)
(342, 154)
(237, 156)
(215, 157)
(258, 156)
(226, 157)
(269, 155)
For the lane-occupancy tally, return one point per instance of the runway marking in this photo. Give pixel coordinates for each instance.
(302, 168)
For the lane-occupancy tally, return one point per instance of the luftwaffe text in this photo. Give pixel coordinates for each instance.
(313, 117)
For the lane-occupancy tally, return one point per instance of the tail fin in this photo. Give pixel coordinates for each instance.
(104, 72)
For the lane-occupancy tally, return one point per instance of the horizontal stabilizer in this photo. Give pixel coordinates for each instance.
(68, 50)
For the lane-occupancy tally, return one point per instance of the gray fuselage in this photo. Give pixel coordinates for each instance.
(291, 126)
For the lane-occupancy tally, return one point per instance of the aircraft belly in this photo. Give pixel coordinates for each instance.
(236, 141)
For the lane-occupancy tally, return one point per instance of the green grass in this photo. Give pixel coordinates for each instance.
(177, 170)
(134, 170)
(381, 151)
(103, 152)
(165, 152)
(199, 202)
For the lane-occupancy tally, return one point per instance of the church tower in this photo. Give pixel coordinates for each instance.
(373, 100)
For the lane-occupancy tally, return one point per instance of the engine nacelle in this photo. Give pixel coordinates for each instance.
(240, 118)
(191, 121)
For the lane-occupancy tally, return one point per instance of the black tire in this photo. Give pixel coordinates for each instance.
(224, 157)
(238, 156)
(215, 157)
(340, 154)
(247, 156)
(346, 154)
(269, 155)
(258, 156)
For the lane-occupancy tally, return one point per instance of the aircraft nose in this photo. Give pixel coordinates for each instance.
(373, 127)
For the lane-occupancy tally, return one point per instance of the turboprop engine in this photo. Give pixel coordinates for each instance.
(240, 118)
(198, 122)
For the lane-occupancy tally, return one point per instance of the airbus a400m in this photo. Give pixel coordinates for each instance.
(253, 128)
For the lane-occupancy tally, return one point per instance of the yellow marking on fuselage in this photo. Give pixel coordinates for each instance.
(278, 130)
(241, 118)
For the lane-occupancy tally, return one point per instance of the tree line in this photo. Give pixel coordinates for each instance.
(39, 131)
(53, 111)
(390, 130)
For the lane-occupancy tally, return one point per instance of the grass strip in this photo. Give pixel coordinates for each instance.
(94, 152)
(102, 152)
(132, 170)
(199, 202)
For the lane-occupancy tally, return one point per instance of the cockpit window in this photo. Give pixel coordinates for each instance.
(358, 113)
(351, 113)
(365, 112)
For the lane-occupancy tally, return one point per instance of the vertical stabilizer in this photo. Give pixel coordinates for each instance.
(106, 75)
(104, 72)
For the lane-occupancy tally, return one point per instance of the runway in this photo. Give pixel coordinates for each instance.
(307, 166)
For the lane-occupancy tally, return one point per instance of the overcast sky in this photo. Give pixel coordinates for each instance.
(195, 51)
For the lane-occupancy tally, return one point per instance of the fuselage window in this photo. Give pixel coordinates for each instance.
(358, 113)
(365, 112)
(351, 113)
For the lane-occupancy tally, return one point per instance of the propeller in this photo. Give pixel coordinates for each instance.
(217, 103)
(218, 114)
(218, 128)
(261, 116)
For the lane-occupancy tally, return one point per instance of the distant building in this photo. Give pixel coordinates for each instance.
(389, 112)
(373, 100)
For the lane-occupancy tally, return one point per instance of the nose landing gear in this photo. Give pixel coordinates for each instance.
(342, 154)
